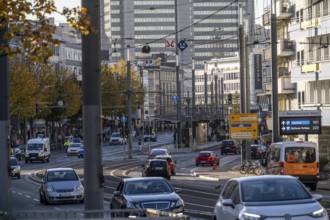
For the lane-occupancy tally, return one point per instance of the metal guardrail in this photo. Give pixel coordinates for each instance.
(115, 214)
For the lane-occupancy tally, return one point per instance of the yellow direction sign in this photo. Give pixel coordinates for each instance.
(243, 126)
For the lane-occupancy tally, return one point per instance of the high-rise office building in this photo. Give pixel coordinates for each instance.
(209, 28)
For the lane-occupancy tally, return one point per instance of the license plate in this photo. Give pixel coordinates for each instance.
(158, 168)
(202, 161)
(64, 195)
(33, 157)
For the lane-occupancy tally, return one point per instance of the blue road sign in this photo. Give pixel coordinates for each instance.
(182, 45)
(123, 119)
(175, 98)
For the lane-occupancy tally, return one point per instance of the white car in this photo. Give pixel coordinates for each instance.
(116, 138)
(268, 197)
(73, 149)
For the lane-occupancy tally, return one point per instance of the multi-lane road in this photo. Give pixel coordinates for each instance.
(199, 194)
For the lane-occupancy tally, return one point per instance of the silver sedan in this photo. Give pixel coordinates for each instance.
(268, 197)
(61, 185)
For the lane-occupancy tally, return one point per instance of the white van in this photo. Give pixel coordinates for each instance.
(37, 149)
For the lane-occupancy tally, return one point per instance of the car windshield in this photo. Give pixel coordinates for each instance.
(115, 135)
(204, 154)
(273, 190)
(157, 152)
(34, 146)
(74, 145)
(62, 175)
(228, 142)
(147, 186)
(13, 162)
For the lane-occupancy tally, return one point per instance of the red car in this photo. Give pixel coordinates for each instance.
(170, 162)
(207, 157)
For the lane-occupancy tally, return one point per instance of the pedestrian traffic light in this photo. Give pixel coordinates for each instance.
(230, 98)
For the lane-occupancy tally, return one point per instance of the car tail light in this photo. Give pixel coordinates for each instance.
(281, 168)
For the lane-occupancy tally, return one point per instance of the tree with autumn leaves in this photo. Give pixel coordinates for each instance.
(34, 81)
(36, 88)
(114, 93)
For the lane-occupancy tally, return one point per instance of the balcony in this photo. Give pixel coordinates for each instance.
(285, 86)
(285, 48)
(312, 23)
(310, 68)
(284, 10)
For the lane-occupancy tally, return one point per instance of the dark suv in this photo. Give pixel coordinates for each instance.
(229, 146)
(157, 167)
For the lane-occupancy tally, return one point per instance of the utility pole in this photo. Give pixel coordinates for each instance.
(276, 136)
(92, 111)
(193, 96)
(216, 94)
(205, 86)
(242, 73)
(5, 185)
(178, 85)
(129, 103)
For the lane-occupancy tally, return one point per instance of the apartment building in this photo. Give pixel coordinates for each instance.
(310, 29)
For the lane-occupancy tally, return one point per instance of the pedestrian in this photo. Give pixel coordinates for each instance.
(174, 138)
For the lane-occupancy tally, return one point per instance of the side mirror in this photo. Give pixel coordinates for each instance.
(228, 202)
(117, 193)
(178, 190)
(318, 197)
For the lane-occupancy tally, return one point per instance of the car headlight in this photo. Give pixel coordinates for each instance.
(319, 213)
(16, 169)
(80, 188)
(177, 203)
(50, 189)
(41, 153)
(250, 216)
(131, 205)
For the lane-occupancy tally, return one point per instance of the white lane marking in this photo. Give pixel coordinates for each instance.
(37, 200)
(27, 196)
(20, 194)
(194, 204)
(217, 194)
(58, 209)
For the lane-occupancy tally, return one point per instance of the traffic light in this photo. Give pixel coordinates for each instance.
(230, 98)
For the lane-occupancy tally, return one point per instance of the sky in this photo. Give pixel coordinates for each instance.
(60, 4)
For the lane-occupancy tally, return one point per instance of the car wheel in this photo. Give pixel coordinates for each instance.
(26, 161)
(18, 176)
(197, 164)
(173, 173)
(313, 186)
(41, 198)
(218, 163)
(48, 160)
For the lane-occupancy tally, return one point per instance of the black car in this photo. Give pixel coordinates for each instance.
(157, 167)
(150, 137)
(229, 146)
(258, 151)
(144, 193)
